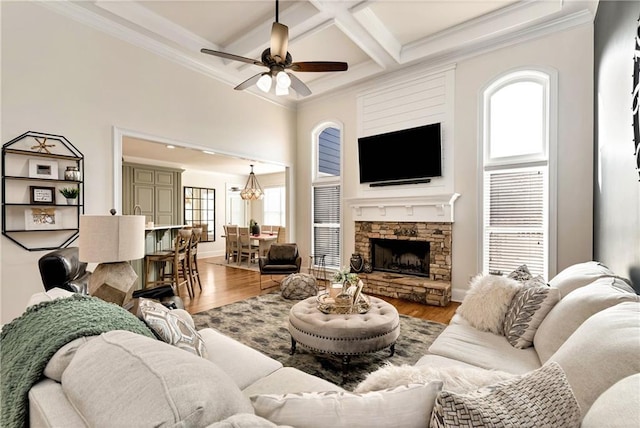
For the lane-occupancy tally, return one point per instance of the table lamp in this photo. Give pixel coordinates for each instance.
(112, 241)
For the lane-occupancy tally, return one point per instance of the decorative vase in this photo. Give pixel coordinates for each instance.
(71, 201)
(255, 229)
(356, 262)
(72, 173)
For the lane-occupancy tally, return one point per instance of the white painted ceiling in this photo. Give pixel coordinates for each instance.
(374, 37)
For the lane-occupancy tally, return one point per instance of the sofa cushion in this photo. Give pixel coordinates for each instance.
(574, 309)
(289, 380)
(171, 327)
(49, 407)
(241, 363)
(602, 351)
(542, 398)
(124, 379)
(244, 420)
(410, 404)
(526, 311)
(464, 343)
(617, 407)
(579, 275)
(487, 301)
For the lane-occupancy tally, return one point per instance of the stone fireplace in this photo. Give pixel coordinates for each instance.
(410, 260)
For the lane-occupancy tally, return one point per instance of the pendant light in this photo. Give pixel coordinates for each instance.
(252, 189)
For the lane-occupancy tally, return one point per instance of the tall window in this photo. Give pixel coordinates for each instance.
(326, 209)
(274, 206)
(516, 173)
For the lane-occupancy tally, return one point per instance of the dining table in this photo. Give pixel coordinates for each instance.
(264, 242)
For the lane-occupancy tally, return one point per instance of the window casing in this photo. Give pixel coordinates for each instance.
(326, 195)
(517, 178)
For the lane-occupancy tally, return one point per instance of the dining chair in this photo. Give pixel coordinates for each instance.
(192, 256)
(176, 260)
(282, 238)
(246, 247)
(231, 244)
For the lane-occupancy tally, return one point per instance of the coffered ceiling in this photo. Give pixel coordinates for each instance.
(374, 37)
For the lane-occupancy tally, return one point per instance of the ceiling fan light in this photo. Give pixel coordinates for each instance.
(264, 82)
(283, 79)
(282, 90)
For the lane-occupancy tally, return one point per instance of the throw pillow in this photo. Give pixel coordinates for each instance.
(572, 310)
(527, 310)
(487, 301)
(521, 273)
(454, 378)
(411, 404)
(541, 398)
(171, 328)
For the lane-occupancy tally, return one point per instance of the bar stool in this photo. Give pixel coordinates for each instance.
(192, 256)
(176, 259)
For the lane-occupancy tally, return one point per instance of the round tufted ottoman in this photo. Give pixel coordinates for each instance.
(298, 286)
(345, 335)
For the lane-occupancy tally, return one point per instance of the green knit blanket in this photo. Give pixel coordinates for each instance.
(27, 343)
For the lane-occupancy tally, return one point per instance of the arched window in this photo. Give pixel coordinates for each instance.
(326, 210)
(517, 141)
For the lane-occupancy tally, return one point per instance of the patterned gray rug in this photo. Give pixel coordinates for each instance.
(261, 322)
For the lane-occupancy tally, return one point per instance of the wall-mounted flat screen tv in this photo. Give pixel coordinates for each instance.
(408, 155)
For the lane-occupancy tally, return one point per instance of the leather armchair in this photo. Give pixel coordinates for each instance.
(62, 268)
(281, 259)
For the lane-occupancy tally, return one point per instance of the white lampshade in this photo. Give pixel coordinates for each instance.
(111, 238)
(264, 82)
(282, 90)
(283, 79)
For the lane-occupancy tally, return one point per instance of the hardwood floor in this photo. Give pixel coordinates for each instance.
(222, 285)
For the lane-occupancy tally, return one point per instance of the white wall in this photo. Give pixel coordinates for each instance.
(61, 77)
(569, 52)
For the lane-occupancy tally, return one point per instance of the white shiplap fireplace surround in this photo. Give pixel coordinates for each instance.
(414, 212)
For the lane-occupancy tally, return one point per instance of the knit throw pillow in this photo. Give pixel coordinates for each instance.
(171, 328)
(487, 301)
(527, 310)
(541, 398)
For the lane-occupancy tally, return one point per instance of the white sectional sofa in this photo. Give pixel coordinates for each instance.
(120, 378)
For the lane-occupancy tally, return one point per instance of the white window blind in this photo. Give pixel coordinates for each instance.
(326, 224)
(515, 206)
(274, 206)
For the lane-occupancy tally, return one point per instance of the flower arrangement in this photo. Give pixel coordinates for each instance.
(345, 275)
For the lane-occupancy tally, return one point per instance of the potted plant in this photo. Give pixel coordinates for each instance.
(71, 193)
(254, 227)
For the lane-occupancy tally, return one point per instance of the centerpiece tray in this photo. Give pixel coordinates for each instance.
(343, 305)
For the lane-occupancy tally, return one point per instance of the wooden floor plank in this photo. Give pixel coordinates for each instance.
(222, 285)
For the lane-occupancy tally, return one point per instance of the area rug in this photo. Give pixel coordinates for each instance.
(261, 323)
(221, 261)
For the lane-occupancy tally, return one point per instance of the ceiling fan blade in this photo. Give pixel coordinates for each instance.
(231, 56)
(279, 42)
(299, 86)
(319, 66)
(250, 81)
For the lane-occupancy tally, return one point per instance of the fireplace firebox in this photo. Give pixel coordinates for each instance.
(400, 256)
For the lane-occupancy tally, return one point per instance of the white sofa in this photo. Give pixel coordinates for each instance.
(123, 379)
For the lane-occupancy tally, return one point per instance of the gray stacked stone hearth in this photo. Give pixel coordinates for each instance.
(435, 290)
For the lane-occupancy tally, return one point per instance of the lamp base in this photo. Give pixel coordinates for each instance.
(113, 282)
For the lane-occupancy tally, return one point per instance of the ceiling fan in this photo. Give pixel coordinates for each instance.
(277, 60)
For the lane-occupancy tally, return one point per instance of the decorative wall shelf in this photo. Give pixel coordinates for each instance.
(35, 215)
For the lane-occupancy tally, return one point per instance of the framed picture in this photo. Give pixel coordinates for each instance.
(42, 219)
(42, 195)
(40, 168)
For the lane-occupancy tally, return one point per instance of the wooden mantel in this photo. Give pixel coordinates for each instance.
(436, 208)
